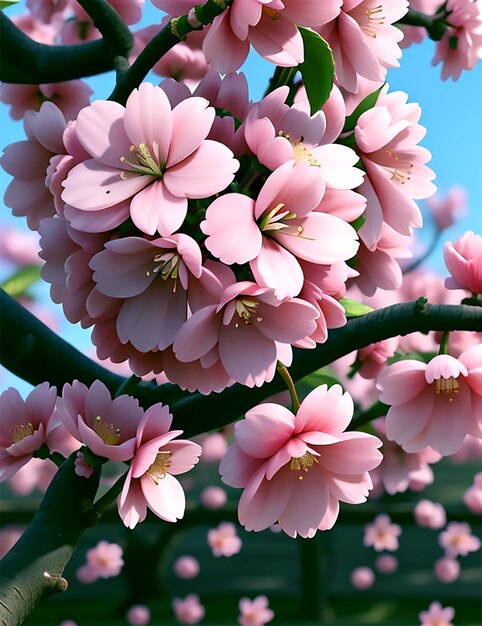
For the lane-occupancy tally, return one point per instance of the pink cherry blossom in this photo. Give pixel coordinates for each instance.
(364, 40)
(150, 482)
(386, 563)
(278, 229)
(430, 514)
(103, 561)
(106, 426)
(186, 567)
(387, 138)
(143, 169)
(255, 612)
(446, 569)
(375, 356)
(27, 194)
(26, 426)
(434, 404)
(473, 495)
(295, 468)
(382, 534)
(437, 616)
(464, 262)
(37, 475)
(18, 247)
(457, 540)
(138, 615)
(188, 610)
(446, 209)
(362, 578)
(214, 447)
(460, 48)
(224, 540)
(213, 497)
(9, 535)
(36, 29)
(46, 10)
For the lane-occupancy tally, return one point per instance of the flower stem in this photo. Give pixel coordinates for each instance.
(57, 458)
(285, 375)
(444, 344)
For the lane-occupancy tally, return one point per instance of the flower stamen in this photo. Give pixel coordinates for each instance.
(20, 431)
(302, 463)
(109, 434)
(158, 470)
(447, 386)
(146, 162)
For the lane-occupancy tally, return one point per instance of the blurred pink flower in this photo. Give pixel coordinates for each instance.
(457, 540)
(26, 426)
(434, 404)
(214, 447)
(19, 247)
(295, 468)
(224, 540)
(188, 610)
(36, 474)
(106, 426)
(382, 534)
(150, 482)
(445, 210)
(186, 567)
(213, 497)
(430, 514)
(437, 616)
(138, 615)
(46, 10)
(362, 578)
(386, 563)
(9, 535)
(103, 561)
(473, 495)
(255, 612)
(375, 356)
(464, 262)
(143, 169)
(447, 569)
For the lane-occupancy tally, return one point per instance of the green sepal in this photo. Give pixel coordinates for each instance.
(18, 284)
(4, 4)
(367, 103)
(354, 308)
(317, 70)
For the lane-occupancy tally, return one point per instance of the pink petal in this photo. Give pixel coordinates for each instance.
(186, 136)
(277, 268)
(166, 499)
(265, 506)
(356, 453)
(325, 410)
(237, 468)
(251, 433)
(156, 209)
(198, 335)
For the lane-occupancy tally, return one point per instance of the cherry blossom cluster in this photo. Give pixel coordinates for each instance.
(109, 429)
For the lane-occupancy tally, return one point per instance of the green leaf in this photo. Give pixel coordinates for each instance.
(367, 103)
(7, 3)
(317, 70)
(353, 308)
(18, 284)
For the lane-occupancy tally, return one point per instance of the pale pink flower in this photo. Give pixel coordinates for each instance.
(27, 194)
(186, 567)
(464, 262)
(82, 468)
(69, 97)
(295, 468)
(276, 231)
(37, 474)
(434, 404)
(387, 138)
(138, 615)
(151, 482)
(214, 447)
(416, 34)
(18, 247)
(447, 569)
(188, 610)
(143, 169)
(470, 450)
(224, 540)
(430, 514)
(362, 578)
(460, 48)
(375, 356)
(382, 534)
(445, 210)
(46, 10)
(364, 40)
(213, 497)
(36, 29)
(26, 426)
(105, 560)
(9, 535)
(473, 495)
(255, 612)
(386, 563)
(436, 615)
(106, 426)
(457, 540)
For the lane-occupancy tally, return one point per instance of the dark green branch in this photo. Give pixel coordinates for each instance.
(174, 32)
(32, 351)
(434, 25)
(118, 39)
(26, 61)
(33, 568)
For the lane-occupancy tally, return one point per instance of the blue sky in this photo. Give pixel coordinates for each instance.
(451, 114)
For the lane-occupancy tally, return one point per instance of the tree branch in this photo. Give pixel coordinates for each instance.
(32, 351)
(33, 568)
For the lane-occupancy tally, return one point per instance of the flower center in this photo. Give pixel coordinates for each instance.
(274, 15)
(447, 386)
(245, 309)
(302, 463)
(374, 19)
(301, 153)
(272, 219)
(109, 434)
(166, 265)
(158, 470)
(401, 170)
(146, 162)
(20, 431)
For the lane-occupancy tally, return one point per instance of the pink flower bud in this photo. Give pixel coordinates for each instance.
(186, 567)
(362, 578)
(213, 497)
(447, 569)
